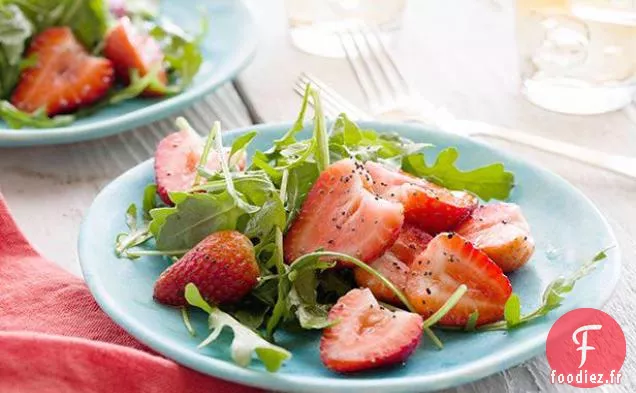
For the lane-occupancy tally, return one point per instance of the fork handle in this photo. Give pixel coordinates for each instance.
(622, 165)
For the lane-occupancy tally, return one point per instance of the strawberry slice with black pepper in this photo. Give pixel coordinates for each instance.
(395, 264)
(502, 232)
(367, 335)
(449, 261)
(64, 78)
(427, 205)
(411, 242)
(342, 214)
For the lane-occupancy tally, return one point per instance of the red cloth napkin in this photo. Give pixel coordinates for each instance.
(55, 338)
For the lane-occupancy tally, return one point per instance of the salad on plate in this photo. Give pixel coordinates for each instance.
(60, 60)
(349, 231)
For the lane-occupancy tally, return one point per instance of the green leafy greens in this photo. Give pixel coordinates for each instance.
(15, 30)
(180, 49)
(553, 296)
(245, 343)
(488, 182)
(263, 200)
(16, 118)
(20, 20)
(87, 18)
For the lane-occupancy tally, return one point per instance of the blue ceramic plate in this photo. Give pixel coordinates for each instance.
(227, 47)
(567, 227)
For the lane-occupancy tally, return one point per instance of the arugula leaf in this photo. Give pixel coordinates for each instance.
(180, 49)
(303, 301)
(280, 310)
(250, 311)
(553, 295)
(335, 283)
(287, 152)
(229, 183)
(158, 218)
(261, 161)
(472, 321)
(135, 237)
(269, 216)
(300, 180)
(87, 18)
(348, 140)
(28, 62)
(16, 118)
(266, 290)
(255, 187)
(446, 307)
(136, 86)
(192, 219)
(297, 294)
(150, 200)
(131, 216)
(320, 134)
(491, 181)
(311, 315)
(245, 343)
(239, 146)
(512, 310)
(290, 136)
(251, 316)
(15, 30)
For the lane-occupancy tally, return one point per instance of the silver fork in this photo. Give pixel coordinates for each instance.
(389, 96)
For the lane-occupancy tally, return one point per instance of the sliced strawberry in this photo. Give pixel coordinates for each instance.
(392, 268)
(411, 242)
(222, 266)
(65, 78)
(501, 231)
(367, 335)
(394, 264)
(448, 262)
(342, 214)
(176, 160)
(429, 206)
(129, 48)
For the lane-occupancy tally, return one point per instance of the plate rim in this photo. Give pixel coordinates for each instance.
(156, 111)
(491, 364)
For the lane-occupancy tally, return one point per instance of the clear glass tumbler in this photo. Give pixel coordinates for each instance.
(315, 24)
(577, 56)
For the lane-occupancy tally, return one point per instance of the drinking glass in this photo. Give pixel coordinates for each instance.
(577, 56)
(315, 24)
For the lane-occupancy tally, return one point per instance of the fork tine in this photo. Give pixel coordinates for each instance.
(332, 108)
(375, 57)
(371, 64)
(329, 93)
(367, 90)
(384, 53)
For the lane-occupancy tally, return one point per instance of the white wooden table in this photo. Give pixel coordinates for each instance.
(457, 53)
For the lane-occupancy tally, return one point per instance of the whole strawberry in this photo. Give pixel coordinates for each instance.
(223, 266)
